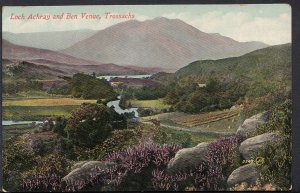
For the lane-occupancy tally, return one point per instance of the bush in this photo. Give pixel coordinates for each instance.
(145, 112)
(222, 158)
(143, 168)
(89, 125)
(89, 87)
(120, 140)
(135, 166)
(17, 159)
(60, 125)
(183, 139)
(276, 168)
(47, 174)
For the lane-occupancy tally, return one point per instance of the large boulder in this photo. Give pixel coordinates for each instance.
(252, 123)
(83, 171)
(247, 173)
(188, 158)
(252, 145)
(78, 165)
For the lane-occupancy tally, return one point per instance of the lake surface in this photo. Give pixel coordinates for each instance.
(6, 123)
(119, 110)
(108, 78)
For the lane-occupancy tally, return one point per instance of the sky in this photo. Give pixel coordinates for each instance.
(268, 23)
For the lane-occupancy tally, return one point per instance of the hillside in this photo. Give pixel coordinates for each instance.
(13, 51)
(66, 64)
(48, 40)
(257, 80)
(161, 42)
(270, 64)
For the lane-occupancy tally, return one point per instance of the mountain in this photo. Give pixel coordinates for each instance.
(257, 80)
(59, 63)
(13, 51)
(269, 63)
(48, 40)
(161, 42)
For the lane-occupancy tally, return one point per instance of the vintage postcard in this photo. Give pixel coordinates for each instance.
(147, 97)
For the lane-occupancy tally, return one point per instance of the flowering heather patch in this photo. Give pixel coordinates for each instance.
(139, 156)
(136, 164)
(43, 182)
(143, 167)
(222, 157)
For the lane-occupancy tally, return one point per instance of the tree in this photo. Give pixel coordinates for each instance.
(89, 87)
(60, 124)
(89, 125)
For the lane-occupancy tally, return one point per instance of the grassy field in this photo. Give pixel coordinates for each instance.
(32, 94)
(35, 113)
(148, 103)
(219, 121)
(196, 138)
(205, 118)
(13, 130)
(46, 102)
(38, 109)
(177, 137)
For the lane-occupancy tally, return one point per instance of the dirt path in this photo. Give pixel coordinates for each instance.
(191, 130)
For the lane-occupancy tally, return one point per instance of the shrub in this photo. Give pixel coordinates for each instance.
(46, 176)
(280, 121)
(144, 162)
(180, 138)
(60, 125)
(276, 168)
(89, 125)
(135, 166)
(145, 112)
(17, 158)
(120, 140)
(89, 87)
(222, 158)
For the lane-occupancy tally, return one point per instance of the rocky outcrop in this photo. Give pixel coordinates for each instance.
(83, 171)
(188, 158)
(252, 145)
(252, 123)
(247, 173)
(78, 165)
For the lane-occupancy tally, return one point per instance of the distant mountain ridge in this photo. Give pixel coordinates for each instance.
(161, 42)
(56, 40)
(62, 63)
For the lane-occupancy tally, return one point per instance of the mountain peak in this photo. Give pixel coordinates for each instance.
(160, 18)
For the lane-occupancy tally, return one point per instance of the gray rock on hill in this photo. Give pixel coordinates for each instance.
(247, 173)
(252, 145)
(188, 157)
(252, 123)
(84, 170)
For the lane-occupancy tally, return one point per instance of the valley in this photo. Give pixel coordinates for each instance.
(136, 100)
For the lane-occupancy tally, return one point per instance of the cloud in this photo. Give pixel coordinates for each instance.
(241, 26)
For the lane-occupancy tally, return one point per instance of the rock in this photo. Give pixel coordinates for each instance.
(252, 123)
(247, 173)
(78, 165)
(252, 145)
(83, 171)
(188, 157)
